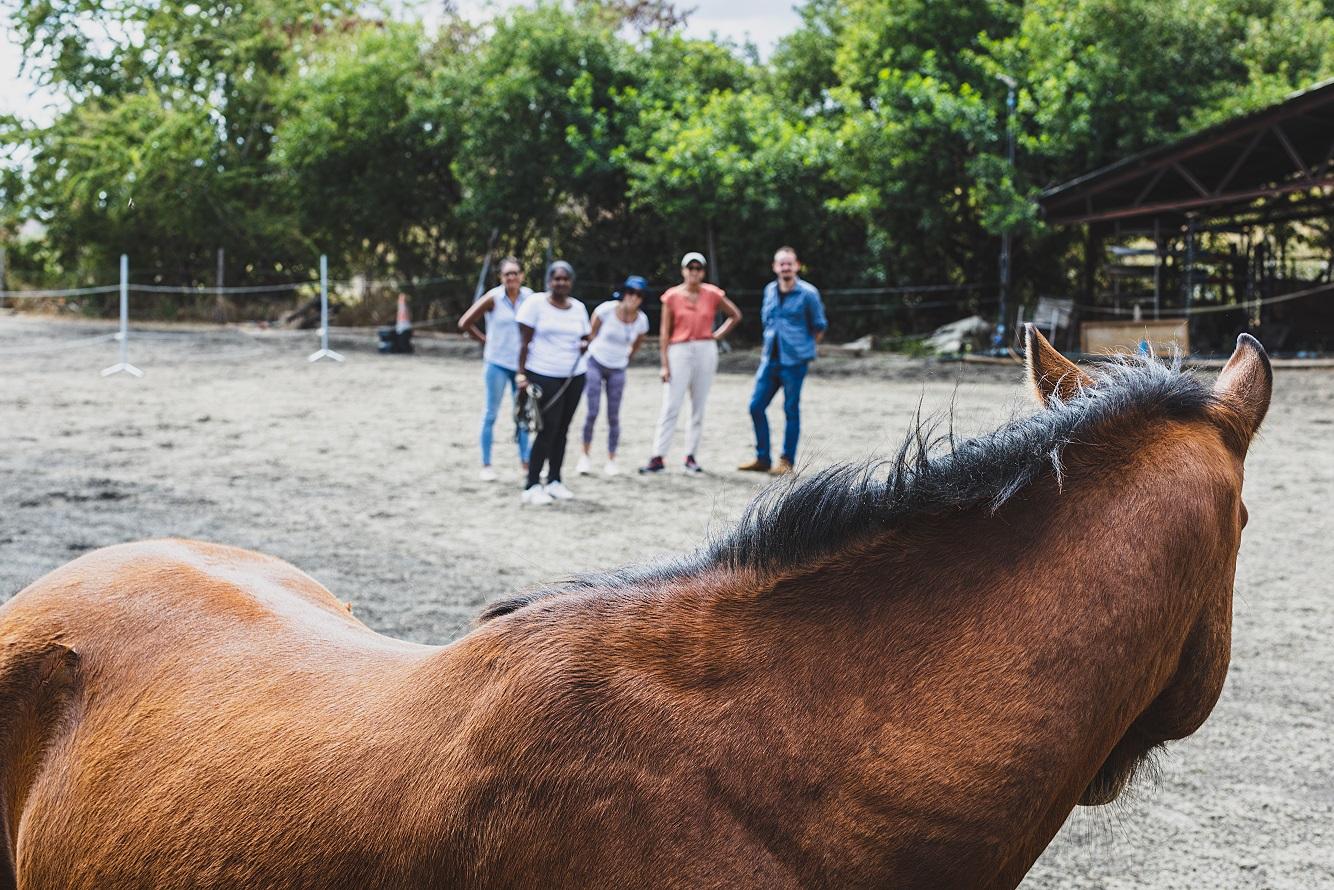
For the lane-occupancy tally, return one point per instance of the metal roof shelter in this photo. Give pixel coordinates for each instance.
(1281, 150)
(1210, 202)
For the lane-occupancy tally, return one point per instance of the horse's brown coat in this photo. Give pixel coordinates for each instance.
(921, 709)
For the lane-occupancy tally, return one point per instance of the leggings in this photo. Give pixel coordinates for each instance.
(558, 404)
(615, 380)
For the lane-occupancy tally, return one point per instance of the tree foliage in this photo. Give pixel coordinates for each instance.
(873, 138)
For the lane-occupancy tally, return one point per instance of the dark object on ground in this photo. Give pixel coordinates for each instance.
(395, 342)
(307, 315)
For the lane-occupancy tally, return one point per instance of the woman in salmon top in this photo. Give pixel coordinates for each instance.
(689, 349)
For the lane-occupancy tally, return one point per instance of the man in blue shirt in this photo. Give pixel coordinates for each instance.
(794, 322)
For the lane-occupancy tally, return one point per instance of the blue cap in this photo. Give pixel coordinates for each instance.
(635, 282)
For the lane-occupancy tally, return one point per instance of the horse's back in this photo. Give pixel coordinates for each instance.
(150, 584)
(164, 702)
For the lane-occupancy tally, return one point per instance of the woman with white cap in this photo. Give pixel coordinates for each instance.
(689, 348)
(619, 328)
(553, 334)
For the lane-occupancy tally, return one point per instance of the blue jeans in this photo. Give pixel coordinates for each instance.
(770, 378)
(496, 378)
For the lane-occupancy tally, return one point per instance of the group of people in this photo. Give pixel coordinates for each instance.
(545, 347)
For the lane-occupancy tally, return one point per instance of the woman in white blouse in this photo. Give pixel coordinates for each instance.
(500, 352)
(553, 334)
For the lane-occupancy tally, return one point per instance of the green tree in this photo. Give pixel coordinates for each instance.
(747, 174)
(164, 148)
(540, 101)
(363, 155)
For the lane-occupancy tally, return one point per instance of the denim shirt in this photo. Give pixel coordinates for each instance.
(794, 320)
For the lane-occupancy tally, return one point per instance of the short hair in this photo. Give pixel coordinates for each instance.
(786, 248)
(510, 260)
(559, 266)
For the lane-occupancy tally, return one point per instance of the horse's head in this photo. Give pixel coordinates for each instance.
(1206, 456)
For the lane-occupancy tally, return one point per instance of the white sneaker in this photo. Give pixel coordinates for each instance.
(585, 466)
(611, 469)
(558, 491)
(536, 496)
(487, 475)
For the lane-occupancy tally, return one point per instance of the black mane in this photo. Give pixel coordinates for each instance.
(789, 525)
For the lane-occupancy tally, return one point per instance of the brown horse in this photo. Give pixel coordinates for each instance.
(897, 677)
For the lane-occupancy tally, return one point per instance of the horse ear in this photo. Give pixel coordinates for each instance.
(1246, 383)
(1050, 373)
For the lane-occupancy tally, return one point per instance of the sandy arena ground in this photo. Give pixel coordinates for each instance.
(364, 475)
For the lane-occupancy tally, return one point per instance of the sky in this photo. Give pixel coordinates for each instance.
(760, 21)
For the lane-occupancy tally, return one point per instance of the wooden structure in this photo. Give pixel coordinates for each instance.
(1192, 228)
(1162, 336)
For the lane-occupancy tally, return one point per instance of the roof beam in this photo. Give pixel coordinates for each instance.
(1315, 100)
(1325, 182)
(1144, 193)
(1329, 159)
(1292, 152)
(1194, 183)
(1241, 159)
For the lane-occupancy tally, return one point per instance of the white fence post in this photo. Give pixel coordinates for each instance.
(124, 335)
(324, 350)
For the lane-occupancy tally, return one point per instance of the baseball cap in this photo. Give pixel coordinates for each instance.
(693, 257)
(635, 282)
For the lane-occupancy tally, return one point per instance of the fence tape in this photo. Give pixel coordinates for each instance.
(1243, 306)
(56, 347)
(66, 292)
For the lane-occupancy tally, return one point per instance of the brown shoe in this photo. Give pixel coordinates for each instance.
(782, 468)
(755, 466)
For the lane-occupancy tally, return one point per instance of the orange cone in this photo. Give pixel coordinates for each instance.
(404, 322)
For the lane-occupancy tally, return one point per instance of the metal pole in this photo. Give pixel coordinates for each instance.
(1000, 340)
(1157, 268)
(219, 301)
(324, 350)
(1190, 272)
(486, 266)
(124, 335)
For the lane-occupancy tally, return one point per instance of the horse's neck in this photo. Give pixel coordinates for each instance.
(958, 687)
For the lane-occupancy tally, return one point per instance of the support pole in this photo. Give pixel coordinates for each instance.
(1157, 268)
(324, 351)
(124, 335)
(219, 301)
(1000, 341)
(486, 266)
(1189, 276)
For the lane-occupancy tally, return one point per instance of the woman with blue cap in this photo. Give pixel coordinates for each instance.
(618, 331)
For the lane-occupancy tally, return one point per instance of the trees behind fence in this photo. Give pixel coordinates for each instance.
(872, 138)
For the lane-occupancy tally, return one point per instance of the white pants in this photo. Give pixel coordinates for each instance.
(693, 364)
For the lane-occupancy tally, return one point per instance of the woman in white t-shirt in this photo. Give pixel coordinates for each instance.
(553, 334)
(618, 330)
(500, 354)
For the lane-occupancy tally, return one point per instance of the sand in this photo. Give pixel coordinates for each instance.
(365, 475)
